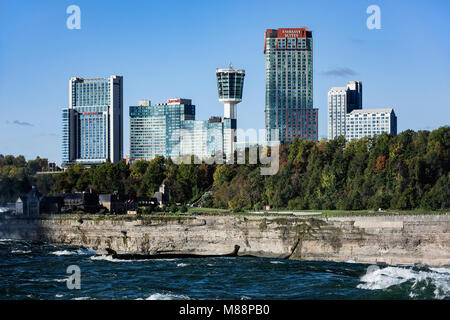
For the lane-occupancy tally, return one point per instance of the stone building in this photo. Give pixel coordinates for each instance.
(113, 202)
(162, 196)
(28, 204)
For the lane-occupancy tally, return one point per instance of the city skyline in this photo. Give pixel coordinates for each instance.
(390, 62)
(171, 129)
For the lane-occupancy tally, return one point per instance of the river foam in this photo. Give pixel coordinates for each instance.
(69, 253)
(20, 251)
(109, 258)
(62, 253)
(49, 280)
(182, 264)
(167, 296)
(382, 278)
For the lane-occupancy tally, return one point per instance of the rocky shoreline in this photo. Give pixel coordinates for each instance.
(393, 240)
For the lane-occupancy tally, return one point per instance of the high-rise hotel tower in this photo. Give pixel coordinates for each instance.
(289, 85)
(93, 123)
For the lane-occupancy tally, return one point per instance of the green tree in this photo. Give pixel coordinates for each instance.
(154, 175)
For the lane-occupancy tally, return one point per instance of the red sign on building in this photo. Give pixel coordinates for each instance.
(174, 100)
(292, 33)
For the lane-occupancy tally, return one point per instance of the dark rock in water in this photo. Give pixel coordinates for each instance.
(111, 252)
(421, 266)
(125, 256)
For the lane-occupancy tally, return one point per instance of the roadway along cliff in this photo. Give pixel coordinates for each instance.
(408, 239)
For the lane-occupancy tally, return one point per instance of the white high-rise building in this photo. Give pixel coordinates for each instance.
(370, 122)
(93, 122)
(341, 101)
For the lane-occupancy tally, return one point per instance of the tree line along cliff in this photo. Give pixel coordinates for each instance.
(407, 171)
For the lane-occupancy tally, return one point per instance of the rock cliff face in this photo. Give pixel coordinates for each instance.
(379, 239)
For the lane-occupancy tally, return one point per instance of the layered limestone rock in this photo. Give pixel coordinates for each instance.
(408, 239)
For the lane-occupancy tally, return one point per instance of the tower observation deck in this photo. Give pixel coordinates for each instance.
(230, 83)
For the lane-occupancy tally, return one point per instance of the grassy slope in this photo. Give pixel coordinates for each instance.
(323, 212)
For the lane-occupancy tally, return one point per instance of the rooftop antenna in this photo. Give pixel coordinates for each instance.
(230, 66)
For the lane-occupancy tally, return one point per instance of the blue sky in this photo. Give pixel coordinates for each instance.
(171, 48)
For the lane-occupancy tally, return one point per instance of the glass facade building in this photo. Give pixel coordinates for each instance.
(289, 110)
(170, 130)
(69, 128)
(93, 123)
(202, 138)
(156, 130)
